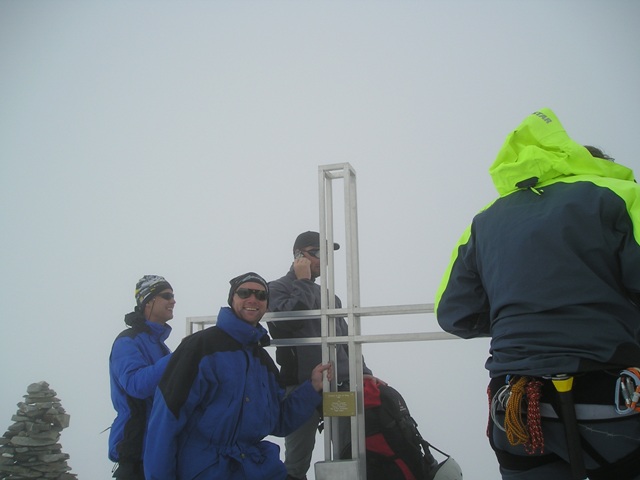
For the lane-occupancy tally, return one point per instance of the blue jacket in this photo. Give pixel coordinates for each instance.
(218, 399)
(551, 269)
(138, 359)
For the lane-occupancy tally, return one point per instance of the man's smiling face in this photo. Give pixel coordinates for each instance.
(249, 309)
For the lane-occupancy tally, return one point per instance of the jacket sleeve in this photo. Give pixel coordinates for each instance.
(296, 408)
(173, 404)
(366, 370)
(134, 373)
(462, 305)
(288, 295)
(342, 329)
(161, 449)
(342, 326)
(628, 223)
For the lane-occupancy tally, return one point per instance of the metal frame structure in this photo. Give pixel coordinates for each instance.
(333, 468)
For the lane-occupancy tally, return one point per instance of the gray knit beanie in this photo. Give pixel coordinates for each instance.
(148, 287)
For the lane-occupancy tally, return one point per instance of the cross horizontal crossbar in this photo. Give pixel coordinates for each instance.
(343, 312)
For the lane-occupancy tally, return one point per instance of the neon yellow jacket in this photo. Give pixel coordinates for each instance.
(551, 269)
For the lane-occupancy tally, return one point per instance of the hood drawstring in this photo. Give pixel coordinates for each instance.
(530, 183)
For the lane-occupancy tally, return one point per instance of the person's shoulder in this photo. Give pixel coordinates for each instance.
(283, 279)
(132, 332)
(201, 336)
(209, 340)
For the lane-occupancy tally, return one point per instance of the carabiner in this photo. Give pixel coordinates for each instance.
(628, 386)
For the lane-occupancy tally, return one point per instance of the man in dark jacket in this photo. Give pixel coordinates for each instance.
(138, 359)
(296, 291)
(220, 397)
(551, 272)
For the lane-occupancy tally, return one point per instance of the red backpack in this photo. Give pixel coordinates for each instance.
(395, 448)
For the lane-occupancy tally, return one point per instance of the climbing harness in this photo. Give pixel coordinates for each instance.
(627, 399)
(588, 393)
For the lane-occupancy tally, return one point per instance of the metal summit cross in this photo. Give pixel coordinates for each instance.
(332, 468)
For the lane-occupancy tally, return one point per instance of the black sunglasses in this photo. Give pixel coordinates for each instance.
(244, 293)
(315, 252)
(167, 295)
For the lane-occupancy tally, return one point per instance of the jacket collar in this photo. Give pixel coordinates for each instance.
(240, 330)
(161, 332)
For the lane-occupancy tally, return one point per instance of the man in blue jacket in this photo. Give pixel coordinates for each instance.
(138, 359)
(220, 397)
(551, 272)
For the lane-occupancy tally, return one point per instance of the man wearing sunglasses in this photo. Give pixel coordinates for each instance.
(220, 396)
(297, 290)
(137, 361)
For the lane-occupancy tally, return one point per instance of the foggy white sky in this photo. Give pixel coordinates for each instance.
(184, 138)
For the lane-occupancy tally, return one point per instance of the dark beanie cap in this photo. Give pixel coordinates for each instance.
(244, 278)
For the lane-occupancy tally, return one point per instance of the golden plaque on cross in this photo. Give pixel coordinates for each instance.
(339, 404)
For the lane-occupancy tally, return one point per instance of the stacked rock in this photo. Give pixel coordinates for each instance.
(30, 449)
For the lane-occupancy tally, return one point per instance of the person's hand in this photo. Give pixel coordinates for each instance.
(316, 375)
(375, 379)
(302, 268)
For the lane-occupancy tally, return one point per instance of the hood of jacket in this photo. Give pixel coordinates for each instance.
(540, 151)
(240, 330)
(137, 321)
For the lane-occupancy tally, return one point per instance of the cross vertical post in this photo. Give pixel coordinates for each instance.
(328, 173)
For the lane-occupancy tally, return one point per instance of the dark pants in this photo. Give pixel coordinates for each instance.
(614, 438)
(300, 443)
(129, 471)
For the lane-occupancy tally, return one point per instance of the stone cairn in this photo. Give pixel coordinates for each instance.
(29, 448)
